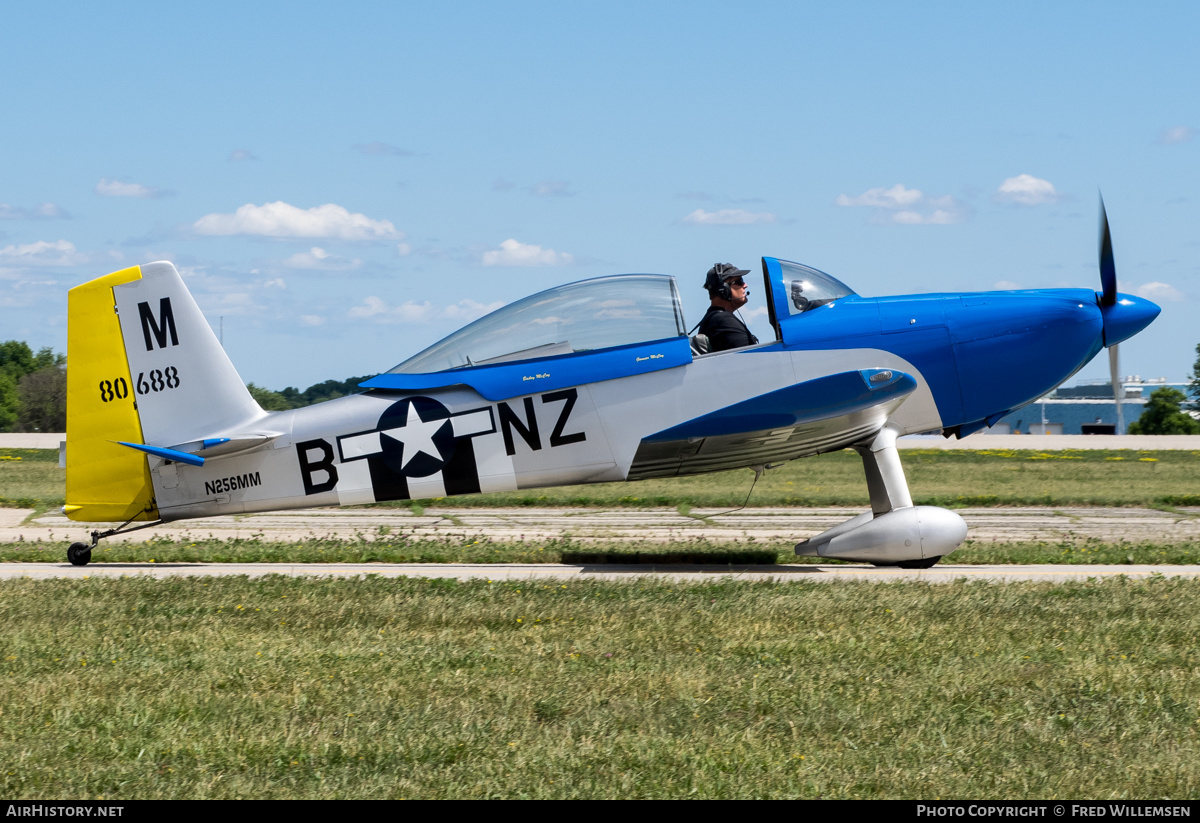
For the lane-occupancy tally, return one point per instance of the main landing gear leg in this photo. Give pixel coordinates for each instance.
(889, 487)
(80, 554)
(894, 532)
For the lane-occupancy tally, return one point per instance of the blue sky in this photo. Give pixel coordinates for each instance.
(346, 183)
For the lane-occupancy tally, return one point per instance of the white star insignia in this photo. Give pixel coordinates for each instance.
(417, 436)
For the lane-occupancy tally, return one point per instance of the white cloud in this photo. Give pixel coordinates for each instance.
(43, 253)
(728, 217)
(1006, 285)
(49, 211)
(1177, 134)
(42, 211)
(117, 188)
(311, 320)
(240, 154)
(281, 219)
(373, 306)
(377, 310)
(514, 253)
(317, 259)
(1026, 190)
(894, 198)
(468, 310)
(907, 207)
(552, 188)
(1158, 292)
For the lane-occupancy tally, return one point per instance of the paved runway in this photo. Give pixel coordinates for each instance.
(772, 526)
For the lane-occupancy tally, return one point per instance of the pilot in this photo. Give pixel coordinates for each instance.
(728, 290)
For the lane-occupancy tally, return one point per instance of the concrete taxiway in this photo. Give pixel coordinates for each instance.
(764, 525)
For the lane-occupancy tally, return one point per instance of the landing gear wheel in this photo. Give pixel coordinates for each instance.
(79, 554)
(923, 563)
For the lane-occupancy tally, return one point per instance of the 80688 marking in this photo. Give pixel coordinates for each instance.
(159, 380)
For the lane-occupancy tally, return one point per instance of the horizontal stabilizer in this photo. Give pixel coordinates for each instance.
(221, 446)
(166, 454)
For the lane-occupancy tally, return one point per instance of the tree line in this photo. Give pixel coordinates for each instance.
(293, 398)
(1166, 410)
(33, 389)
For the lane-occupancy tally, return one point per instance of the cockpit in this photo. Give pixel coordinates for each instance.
(795, 288)
(586, 316)
(591, 330)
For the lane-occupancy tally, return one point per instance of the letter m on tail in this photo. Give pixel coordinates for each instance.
(156, 331)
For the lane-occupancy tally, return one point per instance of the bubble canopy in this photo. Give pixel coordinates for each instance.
(588, 315)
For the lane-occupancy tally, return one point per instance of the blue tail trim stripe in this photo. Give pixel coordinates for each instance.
(166, 454)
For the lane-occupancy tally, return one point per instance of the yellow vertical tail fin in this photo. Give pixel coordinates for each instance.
(105, 481)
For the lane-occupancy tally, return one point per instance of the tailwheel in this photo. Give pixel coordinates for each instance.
(923, 563)
(79, 554)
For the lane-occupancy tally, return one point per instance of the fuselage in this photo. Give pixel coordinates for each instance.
(589, 382)
(966, 359)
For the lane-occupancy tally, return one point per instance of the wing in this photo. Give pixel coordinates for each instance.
(807, 418)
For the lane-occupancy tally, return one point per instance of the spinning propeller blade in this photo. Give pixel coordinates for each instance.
(1114, 370)
(1108, 269)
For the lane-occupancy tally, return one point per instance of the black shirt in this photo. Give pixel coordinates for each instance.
(725, 330)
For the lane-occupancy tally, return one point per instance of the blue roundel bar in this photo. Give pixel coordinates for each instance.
(832, 396)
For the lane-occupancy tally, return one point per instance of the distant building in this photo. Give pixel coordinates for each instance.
(1084, 409)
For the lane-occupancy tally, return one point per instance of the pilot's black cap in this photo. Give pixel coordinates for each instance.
(721, 272)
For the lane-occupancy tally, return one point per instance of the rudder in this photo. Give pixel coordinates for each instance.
(105, 481)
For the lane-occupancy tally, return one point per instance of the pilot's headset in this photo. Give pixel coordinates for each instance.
(714, 281)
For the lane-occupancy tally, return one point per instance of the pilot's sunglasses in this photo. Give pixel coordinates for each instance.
(736, 281)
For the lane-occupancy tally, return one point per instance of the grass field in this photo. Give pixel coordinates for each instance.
(32, 479)
(281, 687)
(392, 549)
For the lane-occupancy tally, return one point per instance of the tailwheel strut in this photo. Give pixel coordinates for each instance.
(80, 554)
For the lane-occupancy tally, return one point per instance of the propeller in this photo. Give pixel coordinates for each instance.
(1114, 370)
(1108, 269)
(1108, 297)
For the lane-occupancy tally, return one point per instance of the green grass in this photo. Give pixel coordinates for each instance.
(481, 549)
(374, 688)
(938, 478)
(31, 479)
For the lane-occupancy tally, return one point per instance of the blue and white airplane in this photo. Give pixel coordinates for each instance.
(589, 382)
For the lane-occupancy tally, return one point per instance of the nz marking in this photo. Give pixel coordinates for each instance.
(230, 484)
